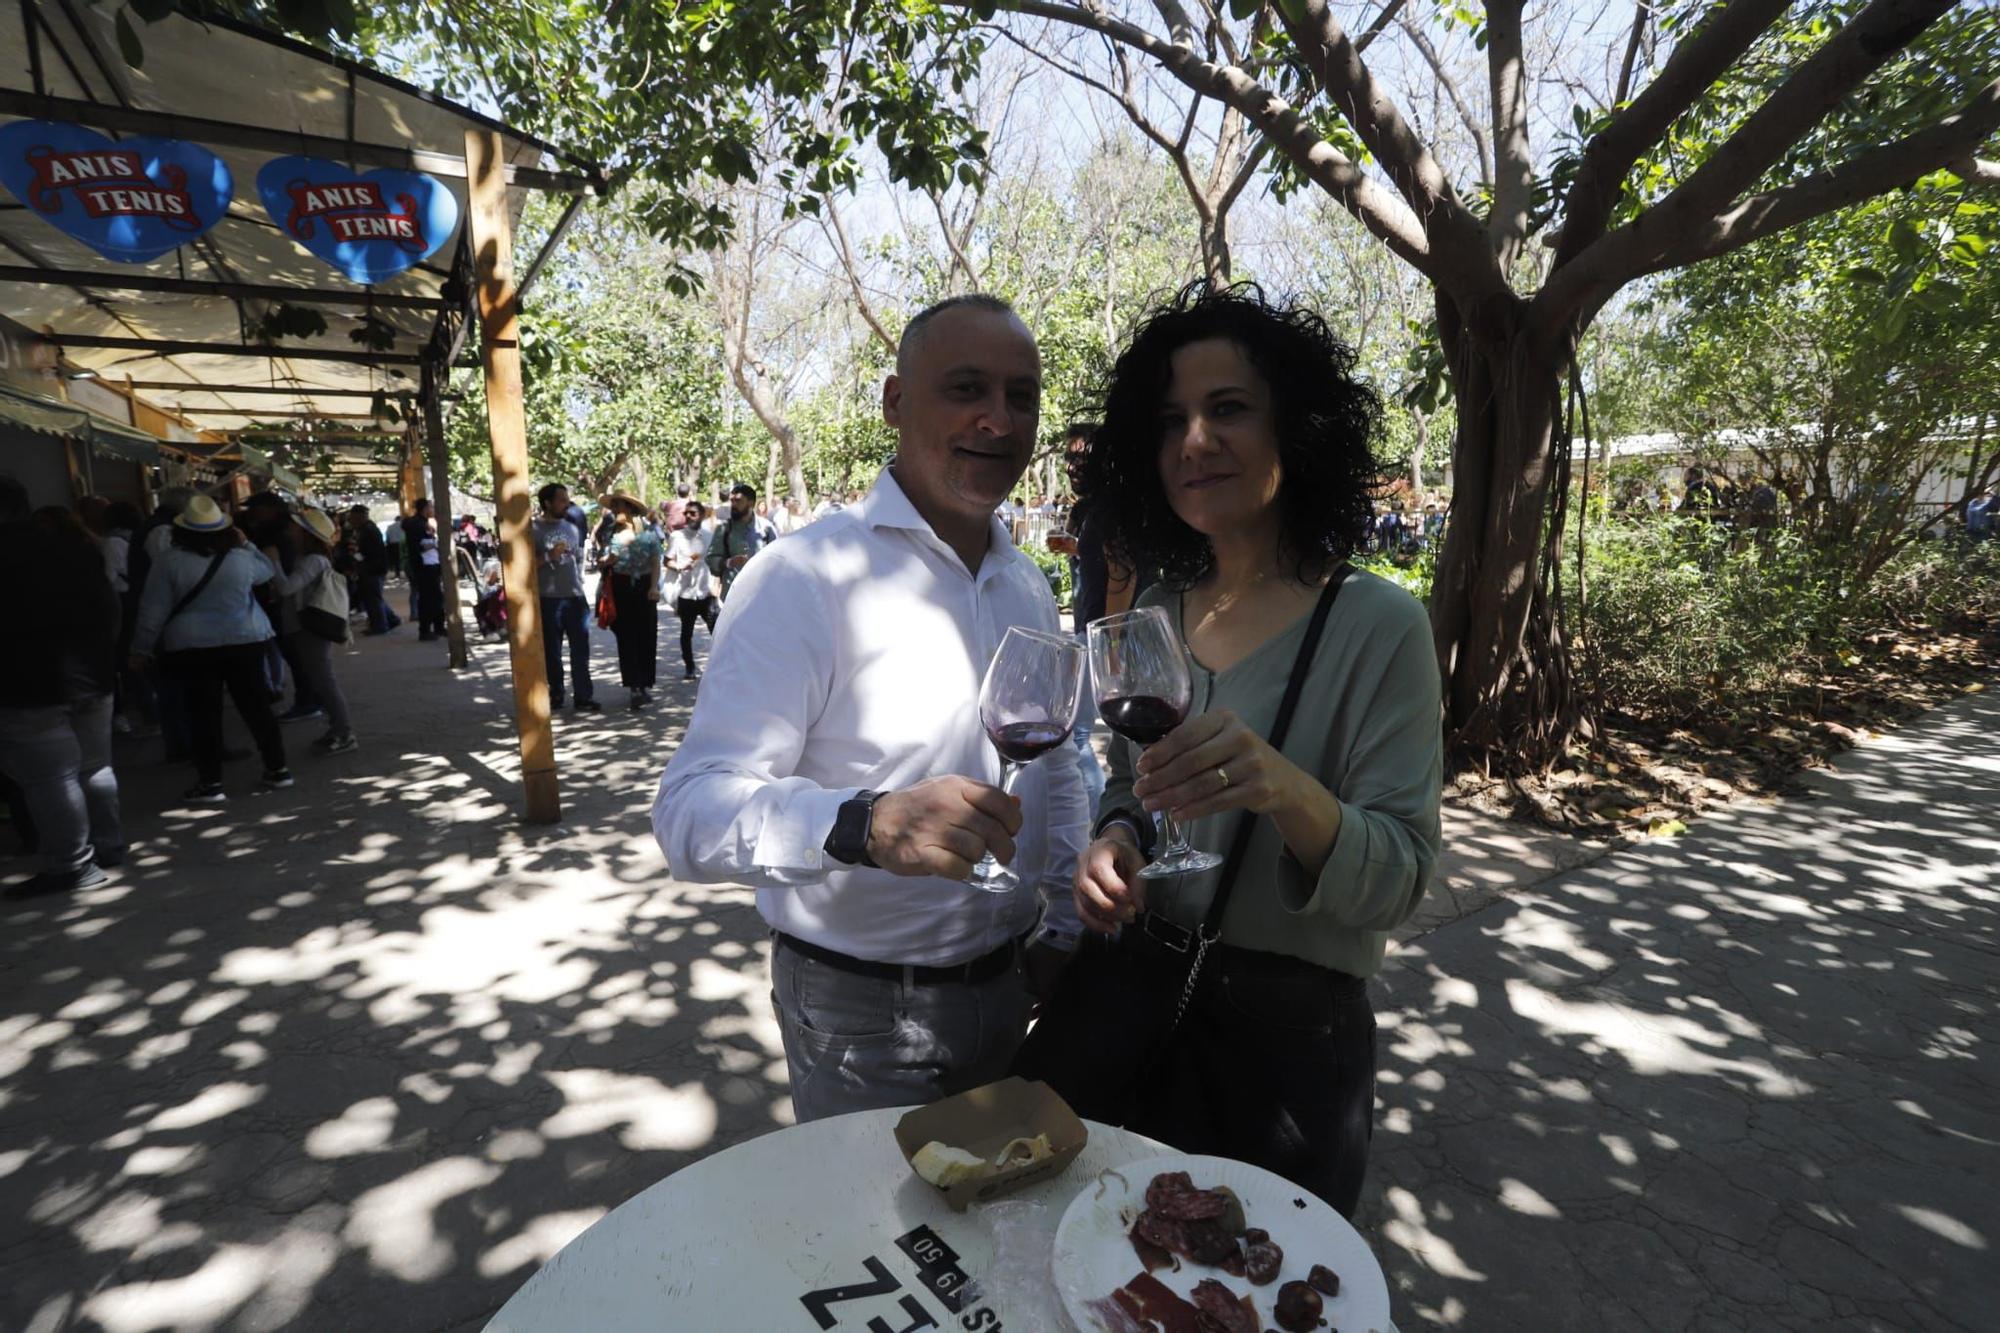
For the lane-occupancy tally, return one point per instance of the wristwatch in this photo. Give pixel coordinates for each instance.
(848, 843)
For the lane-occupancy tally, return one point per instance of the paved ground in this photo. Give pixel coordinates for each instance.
(364, 1053)
(1742, 1079)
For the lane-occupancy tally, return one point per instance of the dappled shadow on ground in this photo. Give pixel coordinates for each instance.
(1741, 1079)
(363, 1053)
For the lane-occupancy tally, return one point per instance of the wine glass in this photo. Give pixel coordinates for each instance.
(1028, 707)
(1143, 692)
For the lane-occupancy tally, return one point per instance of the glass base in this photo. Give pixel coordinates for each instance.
(1189, 862)
(989, 876)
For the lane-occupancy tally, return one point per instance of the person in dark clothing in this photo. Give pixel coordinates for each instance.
(565, 610)
(371, 567)
(631, 560)
(420, 543)
(736, 538)
(55, 696)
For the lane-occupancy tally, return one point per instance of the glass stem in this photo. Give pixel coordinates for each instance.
(1172, 842)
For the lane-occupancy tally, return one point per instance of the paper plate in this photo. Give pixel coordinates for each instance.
(1094, 1255)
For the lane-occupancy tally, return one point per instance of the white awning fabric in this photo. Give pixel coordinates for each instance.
(220, 71)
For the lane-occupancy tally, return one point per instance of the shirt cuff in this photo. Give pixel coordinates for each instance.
(794, 837)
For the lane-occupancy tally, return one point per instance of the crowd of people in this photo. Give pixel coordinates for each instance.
(146, 624)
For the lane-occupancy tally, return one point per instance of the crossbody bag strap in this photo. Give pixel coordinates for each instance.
(1246, 823)
(187, 598)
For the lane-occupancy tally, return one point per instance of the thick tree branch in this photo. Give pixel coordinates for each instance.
(1338, 68)
(1878, 170)
(1976, 169)
(1251, 161)
(1607, 159)
(1814, 88)
(1513, 167)
(1319, 161)
(1180, 27)
(1377, 24)
(1455, 235)
(1422, 42)
(1629, 66)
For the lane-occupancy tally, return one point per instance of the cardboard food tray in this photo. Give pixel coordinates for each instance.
(985, 1120)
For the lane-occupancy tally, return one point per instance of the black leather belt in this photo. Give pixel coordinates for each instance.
(981, 969)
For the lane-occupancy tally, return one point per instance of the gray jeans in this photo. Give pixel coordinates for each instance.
(60, 758)
(856, 1043)
(316, 665)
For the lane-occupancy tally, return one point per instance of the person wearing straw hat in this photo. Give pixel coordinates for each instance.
(199, 614)
(322, 596)
(632, 555)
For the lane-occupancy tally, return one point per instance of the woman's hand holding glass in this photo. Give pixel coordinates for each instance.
(1212, 764)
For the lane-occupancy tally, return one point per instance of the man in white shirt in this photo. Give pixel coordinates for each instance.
(835, 759)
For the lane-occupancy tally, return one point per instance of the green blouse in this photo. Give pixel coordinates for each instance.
(1370, 727)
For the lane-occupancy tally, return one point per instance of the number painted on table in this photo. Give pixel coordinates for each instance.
(881, 1283)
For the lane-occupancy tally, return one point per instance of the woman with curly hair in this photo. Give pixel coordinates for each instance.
(1237, 458)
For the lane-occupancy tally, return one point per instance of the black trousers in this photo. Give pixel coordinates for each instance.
(303, 693)
(1274, 1063)
(204, 675)
(429, 580)
(637, 629)
(691, 611)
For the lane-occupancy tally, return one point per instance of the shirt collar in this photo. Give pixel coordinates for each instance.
(887, 505)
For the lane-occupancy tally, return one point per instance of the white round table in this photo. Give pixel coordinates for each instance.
(822, 1226)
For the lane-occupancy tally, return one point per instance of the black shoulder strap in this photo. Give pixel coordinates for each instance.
(187, 598)
(1246, 823)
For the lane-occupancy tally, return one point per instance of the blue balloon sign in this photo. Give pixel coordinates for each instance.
(370, 225)
(129, 199)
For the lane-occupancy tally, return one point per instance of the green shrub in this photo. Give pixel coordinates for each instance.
(1940, 582)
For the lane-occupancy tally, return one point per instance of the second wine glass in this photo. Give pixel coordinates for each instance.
(1139, 668)
(1028, 707)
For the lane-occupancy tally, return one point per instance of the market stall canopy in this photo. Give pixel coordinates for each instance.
(107, 439)
(194, 329)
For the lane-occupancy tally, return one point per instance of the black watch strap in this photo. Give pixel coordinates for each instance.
(848, 842)
(1137, 821)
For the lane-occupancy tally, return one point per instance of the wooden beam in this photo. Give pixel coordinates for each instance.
(177, 347)
(247, 291)
(283, 390)
(454, 614)
(137, 120)
(263, 415)
(507, 427)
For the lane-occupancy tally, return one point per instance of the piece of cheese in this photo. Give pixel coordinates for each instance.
(943, 1165)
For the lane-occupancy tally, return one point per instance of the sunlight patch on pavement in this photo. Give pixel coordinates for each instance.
(1523, 1198)
(1407, 1228)
(396, 1222)
(1651, 1044)
(209, 1104)
(537, 1243)
(364, 1127)
(1940, 1224)
(652, 1115)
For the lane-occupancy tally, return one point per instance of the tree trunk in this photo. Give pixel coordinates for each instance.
(1215, 249)
(1496, 610)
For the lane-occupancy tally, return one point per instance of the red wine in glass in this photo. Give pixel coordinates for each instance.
(1028, 707)
(1144, 689)
(1143, 718)
(1025, 742)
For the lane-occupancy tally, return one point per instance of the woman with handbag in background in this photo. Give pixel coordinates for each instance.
(199, 611)
(1227, 1011)
(321, 593)
(631, 565)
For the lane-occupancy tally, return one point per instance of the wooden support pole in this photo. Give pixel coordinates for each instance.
(454, 614)
(410, 474)
(507, 426)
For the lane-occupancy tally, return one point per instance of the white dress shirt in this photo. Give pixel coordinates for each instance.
(850, 656)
